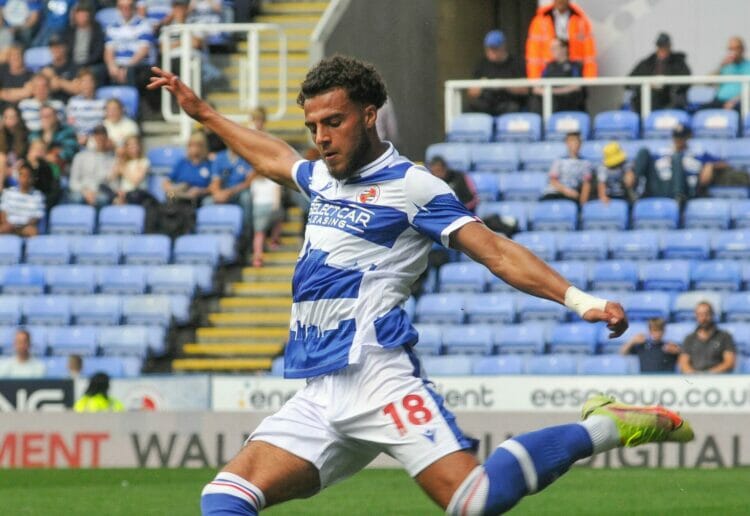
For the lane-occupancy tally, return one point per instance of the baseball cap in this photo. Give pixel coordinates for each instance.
(663, 40)
(681, 131)
(56, 39)
(494, 39)
(613, 155)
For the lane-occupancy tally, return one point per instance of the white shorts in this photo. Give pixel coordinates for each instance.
(341, 421)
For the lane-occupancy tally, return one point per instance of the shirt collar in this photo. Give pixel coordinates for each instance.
(387, 158)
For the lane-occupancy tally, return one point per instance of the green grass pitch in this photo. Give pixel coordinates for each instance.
(378, 492)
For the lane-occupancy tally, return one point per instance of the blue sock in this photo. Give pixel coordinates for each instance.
(229, 494)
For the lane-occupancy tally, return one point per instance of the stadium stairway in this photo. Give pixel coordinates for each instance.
(252, 321)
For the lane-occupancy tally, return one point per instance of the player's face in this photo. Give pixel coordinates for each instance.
(339, 128)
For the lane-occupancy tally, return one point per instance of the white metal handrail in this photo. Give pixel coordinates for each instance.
(325, 27)
(454, 100)
(249, 76)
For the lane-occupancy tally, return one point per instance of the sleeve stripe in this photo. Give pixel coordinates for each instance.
(445, 235)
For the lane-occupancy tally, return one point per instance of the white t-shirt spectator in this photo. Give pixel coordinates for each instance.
(126, 38)
(30, 111)
(12, 368)
(266, 193)
(118, 132)
(21, 208)
(84, 114)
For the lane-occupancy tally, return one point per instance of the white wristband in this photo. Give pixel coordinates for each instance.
(581, 302)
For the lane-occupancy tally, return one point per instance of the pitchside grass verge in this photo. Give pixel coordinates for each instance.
(141, 492)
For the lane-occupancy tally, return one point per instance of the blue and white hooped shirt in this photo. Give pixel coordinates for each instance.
(366, 242)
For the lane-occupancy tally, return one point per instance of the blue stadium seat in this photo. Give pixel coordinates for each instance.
(486, 185)
(716, 123)
(522, 186)
(666, 275)
(656, 213)
(740, 214)
(219, 218)
(112, 366)
(576, 337)
(277, 367)
(659, 123)
(24, 280)
(440, 309)
(614, 275)
(36, 58)
(38, 336)
(164, 158)
(563, 122)
(147, 310)
(606, 364)
(71, 279)
(10, 310)
(555, 216)
(560, 364)
(227, 247)
(72, 219)
(518, 127)
(471, 127)
(599, 215)
(712, 146)
(657, 147)
(516, 210)
(47, 310)
(172, 279)
(204, 278)
(7, 336)
(490, 308)
(10, 249)
(124, 341)
(505, 364)
(461, 277)
(197, 249)
(707, 213)
(745, 275)
(96, 250)
(541, 155)
(634, 245)
(179, 304)
(677, 331)
(616, 125)
(107, 16)
(410, 305)
(728, 192)
(731, 245)
(743, 365)
(456, 365)
(527, 338)
(683, 307)
(641, 306)
(737, 152)
(541, 243)
(456, 155)
(128, 95)
(577, 273)
(532, 308)
(469, 339)
(717, 275)
(127, 219)
(686, 244)
(81, 340)
(608, 345)
(583, 245)
(592, 150)
(56, 367)
(146, 249)
(122, 279)
(740, 332)
(98, 310)
(699, 95)
(47, 250)
(430, 339)
(736, 307)
(495, 157)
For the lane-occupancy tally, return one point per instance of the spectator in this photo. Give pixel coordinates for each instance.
(564, 98)
(461, 184)
(205, 11)
(85, 111)
(85, 39)
(119, 127)
(97, 398)
(614, 176)
(662, 62)
(22, 18)
(497, 63)
(46, 174)
(386, 123)
(191, 176)
(13, 141)
(14, 76)
(22, 364)
(58, 136)
(158, 12)
(230, 183)
(654, 354)
(75, 364)
(734, 63)
(570, 177)
(708, 349)
(90, 171)
(22, 206)
(564, 21)
(129, 51)
(267, 215)
(128, 178)
(55, 19)
(61, 71)
(40, 96)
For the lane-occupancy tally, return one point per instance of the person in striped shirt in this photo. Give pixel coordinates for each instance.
(22, 206)
(85, 111)
(129, 50)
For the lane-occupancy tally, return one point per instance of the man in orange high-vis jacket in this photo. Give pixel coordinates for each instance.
(566, 21)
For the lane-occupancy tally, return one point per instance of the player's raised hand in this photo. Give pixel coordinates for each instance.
(613, 314)
(186, 98)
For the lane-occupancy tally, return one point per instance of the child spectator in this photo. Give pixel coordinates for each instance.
(56, 134)
(46, 174)
(570, 177)
(564, 98)
(119, 127)
(654, 355)
(22, 206)
(267, 215)
(615, 177)
(13, 141)
(85, 111)
(128, 178)
(461, 184)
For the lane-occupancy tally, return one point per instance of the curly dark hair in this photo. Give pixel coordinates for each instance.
(361, 81)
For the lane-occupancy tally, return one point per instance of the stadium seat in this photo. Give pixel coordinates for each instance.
(72, 219)
(112, 366)
(641, 306)
(728, 192)
(36, 58)
(616, 125)
(666, 275)
(227, 247)
(522, 186)
(197, 249)
(146, 249)
(707, 214)
(410, 305)
(563, 122)
(56, 367)
(540, 155)
(733, 244)
(541, 243)
(555, 216)
(471, 127)
(656, 147)
(440, 309)
(737, 152)
(531, 308)
(614, 275)
(683, 307)
(469, 339)
(495, 284)
(98, 310)
(204, 278)
(127, 219)
(107, 16)
(147, 310)
(505, 364)
(599, 215)
(430, 339)
(495, 157)
(699, 95)
(740, 214)
(10, 310)
(743, 365)
(47, 310)
(48, 250)
(634, 245)
(740, 332)
(128, 95)
(96, 250)
(490, 308)
(677, 331)
(561, 364)
(516, 210)
(716, 123)
(659, 123)
(606, 365)
(164, 158)
(71, 279)
(124, 341)
(10, 249)
(518, 127)
(685, 244)
(277, 367)
(745, 275)
(717, 275)
(736, 307)
(172, 279)
(122, 279)
(456, 155)
(576, 337)
(219, 218)
(179, 305)
(577, 273)
(23, 280)
(582, 245)
(608, 345)
(714, 147)
(457, 365)
(656, 213)
(81, 340)
(461, 277)
(520, 338)
(486, 186)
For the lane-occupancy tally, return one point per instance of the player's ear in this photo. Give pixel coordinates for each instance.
(371, 115)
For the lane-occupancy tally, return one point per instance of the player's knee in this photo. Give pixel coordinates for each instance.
(229, 494)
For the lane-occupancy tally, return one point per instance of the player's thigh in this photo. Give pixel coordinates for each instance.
(442, 478)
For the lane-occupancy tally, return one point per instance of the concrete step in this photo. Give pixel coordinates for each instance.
(291, 227)
(291, 240)
(221, 364)
(292, 20)
(229, 99)
(264, 288)
(259, 319)
(262, 349)
(208, 335)
(294, 7)
(294, 211)
(278, 273)
(281, 304)
(281, 258)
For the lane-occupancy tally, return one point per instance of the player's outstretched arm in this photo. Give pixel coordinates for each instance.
(268, 155)
(520, 268)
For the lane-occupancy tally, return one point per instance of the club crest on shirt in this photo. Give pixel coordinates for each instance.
(371, 194)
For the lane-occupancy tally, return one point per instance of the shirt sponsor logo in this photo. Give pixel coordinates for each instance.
(339, 215)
